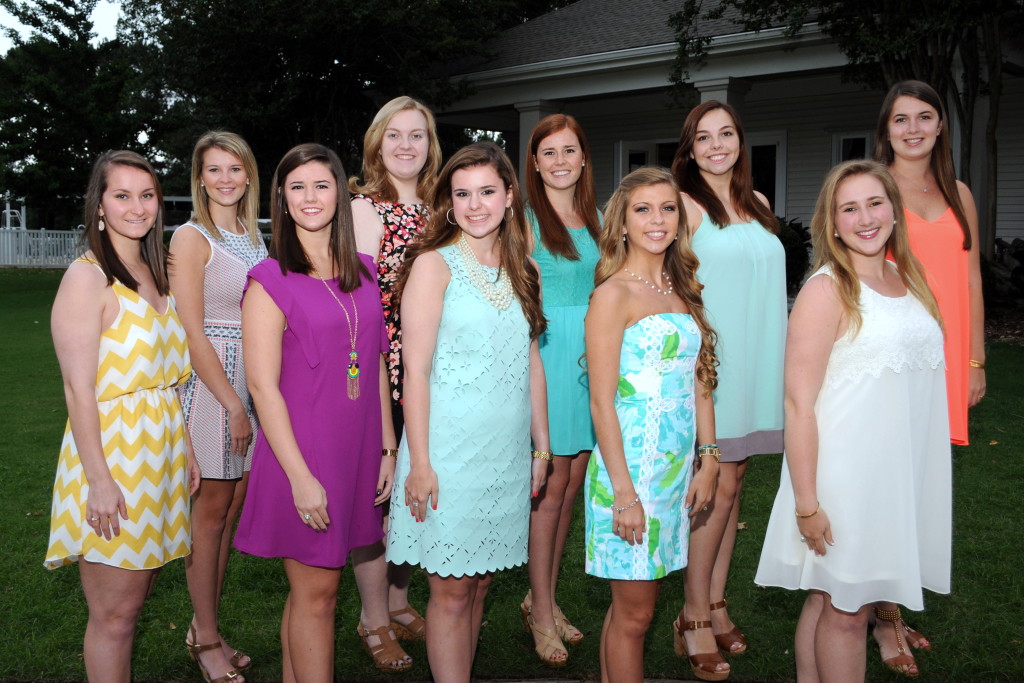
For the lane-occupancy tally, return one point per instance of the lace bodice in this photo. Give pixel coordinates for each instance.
(897, 333)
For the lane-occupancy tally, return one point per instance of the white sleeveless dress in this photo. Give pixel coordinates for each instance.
(884, 470)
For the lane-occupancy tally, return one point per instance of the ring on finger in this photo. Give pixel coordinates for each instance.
(307, 516)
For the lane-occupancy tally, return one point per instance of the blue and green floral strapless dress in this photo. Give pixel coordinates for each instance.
(655, 406)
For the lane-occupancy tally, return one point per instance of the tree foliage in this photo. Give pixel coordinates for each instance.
(65, 101)
(280, 73)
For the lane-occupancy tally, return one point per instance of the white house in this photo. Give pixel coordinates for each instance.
(606, 62)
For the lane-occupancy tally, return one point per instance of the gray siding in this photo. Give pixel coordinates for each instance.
(1010, 182)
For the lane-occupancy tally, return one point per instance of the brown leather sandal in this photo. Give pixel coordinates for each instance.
(902, 661)
(703, 664)
(237, 656)
(193, 651)
(387, 655)
(727, 641)
(414, 630)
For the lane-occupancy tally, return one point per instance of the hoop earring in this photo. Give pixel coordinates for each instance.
(513, 216)
(102, 225)
(448, 215)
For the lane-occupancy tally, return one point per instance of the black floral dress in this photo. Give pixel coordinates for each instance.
(403, 224)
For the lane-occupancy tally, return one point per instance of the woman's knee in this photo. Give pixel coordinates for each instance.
(454, 596)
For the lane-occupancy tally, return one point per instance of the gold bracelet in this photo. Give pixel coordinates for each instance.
(711, 449)
(389, 453)
(810, 515)
(976, 364)
(541, 455)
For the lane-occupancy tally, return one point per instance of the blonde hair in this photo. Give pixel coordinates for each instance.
(680, 261)
(376, 183)
(832, 252)
(248, 206)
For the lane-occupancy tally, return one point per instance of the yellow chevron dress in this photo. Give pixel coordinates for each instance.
(143, 357)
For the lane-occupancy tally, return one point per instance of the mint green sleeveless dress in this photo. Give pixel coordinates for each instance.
(743, 270)
(566, 286)
(479, 439)
(655, 405)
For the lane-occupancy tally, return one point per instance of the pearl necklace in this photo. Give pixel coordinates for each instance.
(497, 293)
(352, 371)
(644, 280)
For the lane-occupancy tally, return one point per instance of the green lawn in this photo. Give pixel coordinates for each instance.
(977, 631)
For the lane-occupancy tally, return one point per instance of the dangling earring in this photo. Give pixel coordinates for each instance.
(835, 233)
(448, 215)
(247, 183)
(623, 237)
(102, 225)
(584, 164)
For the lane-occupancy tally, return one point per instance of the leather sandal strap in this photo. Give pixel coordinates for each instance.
(707, 661)
(718, 605)
(203, 648)
(694, 625)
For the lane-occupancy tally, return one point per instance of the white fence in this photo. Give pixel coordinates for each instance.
(39, 248)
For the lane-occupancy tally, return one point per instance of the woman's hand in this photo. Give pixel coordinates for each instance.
(240, 430)
(104, 504)
(538, 476)
(816, 531)
(629, 524)
(975, 386)
(702, 487)
(421, 490)
(311, 502)
(385, 479)
(195, 475)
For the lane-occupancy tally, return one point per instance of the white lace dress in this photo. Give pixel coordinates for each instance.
(883, 470)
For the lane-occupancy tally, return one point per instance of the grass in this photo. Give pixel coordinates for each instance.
(977, 631)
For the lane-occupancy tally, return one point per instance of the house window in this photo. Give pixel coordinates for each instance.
(633, 154)
(847, 146)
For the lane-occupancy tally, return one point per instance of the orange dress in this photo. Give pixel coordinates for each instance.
(939, 246)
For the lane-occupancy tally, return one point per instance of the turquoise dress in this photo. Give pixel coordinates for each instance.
(655, 405)
(566, 286)
(479, 439)
(743, 270)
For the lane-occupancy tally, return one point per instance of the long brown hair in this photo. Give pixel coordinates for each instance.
(376, 183)
(284, 241)
(942, 156)
(151, 246)
(680, 262)
(832, 252)
(249, 206)
(553, 233)
(741, 187)
(513, 230)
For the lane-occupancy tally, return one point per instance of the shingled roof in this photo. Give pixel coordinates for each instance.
(592, 27)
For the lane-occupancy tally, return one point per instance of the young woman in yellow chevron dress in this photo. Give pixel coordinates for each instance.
(126, 469)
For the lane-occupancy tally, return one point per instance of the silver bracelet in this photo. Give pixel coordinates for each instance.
(615, 509)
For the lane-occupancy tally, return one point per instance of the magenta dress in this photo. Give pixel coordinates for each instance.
(340, 439)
